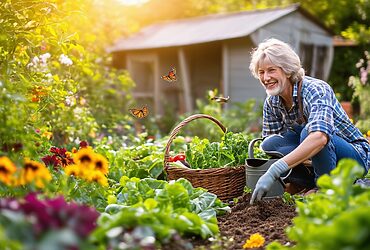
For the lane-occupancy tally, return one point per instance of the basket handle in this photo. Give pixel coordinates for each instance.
(176, 130)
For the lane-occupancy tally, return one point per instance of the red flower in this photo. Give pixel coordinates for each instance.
(60, 157)
(51, 160)
(84, 144)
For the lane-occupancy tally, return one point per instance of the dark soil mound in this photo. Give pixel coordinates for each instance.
(268, 217)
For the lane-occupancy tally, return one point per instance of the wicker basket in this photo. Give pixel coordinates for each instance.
(226, 182)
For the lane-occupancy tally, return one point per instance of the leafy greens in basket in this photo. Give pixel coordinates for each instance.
(231, 151)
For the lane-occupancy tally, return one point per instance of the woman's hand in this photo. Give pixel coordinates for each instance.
(265, 182)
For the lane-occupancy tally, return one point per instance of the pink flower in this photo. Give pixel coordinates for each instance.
(363, 74)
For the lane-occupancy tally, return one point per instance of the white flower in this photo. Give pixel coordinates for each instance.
(34, 62)
(63, 59)
(44, 58)
(70, 101)
(77, 140)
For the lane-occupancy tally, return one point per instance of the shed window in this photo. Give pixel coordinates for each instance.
(313, 59)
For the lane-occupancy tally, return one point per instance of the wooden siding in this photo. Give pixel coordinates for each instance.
(143, 70)
(170, 94)
(298, 31)
(242, 85)
(205, 68)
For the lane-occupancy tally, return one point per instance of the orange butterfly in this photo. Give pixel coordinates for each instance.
(220, 99)
(140, 113)
(171, 77)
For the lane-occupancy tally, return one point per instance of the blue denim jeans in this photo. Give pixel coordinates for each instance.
(323, 162)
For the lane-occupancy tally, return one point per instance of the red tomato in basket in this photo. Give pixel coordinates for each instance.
(179, 157)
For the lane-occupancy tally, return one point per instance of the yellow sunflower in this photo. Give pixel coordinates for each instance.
(99, 177)
(101, 164)
(84, 156)
(34, 171)
(72, 170)
(7, 169)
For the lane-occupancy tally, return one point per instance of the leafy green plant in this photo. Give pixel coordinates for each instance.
(337, 216)
(292, 199)
(165, 209)
(8, 244)
(139, 157)
(231, 151)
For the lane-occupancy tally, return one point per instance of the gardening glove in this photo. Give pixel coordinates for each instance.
(265, 182)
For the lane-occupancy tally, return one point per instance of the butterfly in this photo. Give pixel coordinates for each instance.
(220, 99)
(171, 77)
(140, 113)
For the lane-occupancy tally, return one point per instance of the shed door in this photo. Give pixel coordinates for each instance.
(142, 70)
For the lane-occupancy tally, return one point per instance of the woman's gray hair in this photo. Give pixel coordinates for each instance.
(281, 55)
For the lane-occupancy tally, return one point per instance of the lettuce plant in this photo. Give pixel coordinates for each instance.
(164, 209)
(231, 151)
(337, 217)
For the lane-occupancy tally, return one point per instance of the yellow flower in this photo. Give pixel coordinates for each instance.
(84, 156)
(368, 133)
(255, 240)
(101, 163)
(98, 177)
(7, 169)
(69, 154)
(34, 171)
(72, 170)
(47, 134)
(42, 176)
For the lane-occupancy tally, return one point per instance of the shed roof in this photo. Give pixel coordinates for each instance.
(202, 29)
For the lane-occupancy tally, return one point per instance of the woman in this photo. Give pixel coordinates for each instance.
(302, 119)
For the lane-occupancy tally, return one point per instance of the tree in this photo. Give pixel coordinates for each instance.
(54, 76)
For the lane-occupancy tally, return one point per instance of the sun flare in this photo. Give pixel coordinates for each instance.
(133, 2)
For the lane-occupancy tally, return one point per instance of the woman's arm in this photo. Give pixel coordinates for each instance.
(313, 143)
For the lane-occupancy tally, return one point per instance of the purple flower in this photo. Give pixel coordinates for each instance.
(9, 203)
(54, 214)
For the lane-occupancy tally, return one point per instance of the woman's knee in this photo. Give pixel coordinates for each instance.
(272, 142)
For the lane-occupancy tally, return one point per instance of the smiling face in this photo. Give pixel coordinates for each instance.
(274, 79)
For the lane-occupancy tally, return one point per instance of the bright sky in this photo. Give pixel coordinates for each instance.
(133, 2)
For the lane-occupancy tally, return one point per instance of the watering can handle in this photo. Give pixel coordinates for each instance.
(251, 147)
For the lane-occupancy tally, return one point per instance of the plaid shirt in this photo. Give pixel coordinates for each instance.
(323, 112)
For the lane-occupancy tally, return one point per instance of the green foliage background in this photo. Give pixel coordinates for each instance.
(79, 100)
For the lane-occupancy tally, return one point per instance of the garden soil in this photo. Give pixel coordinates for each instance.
(269, 217)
